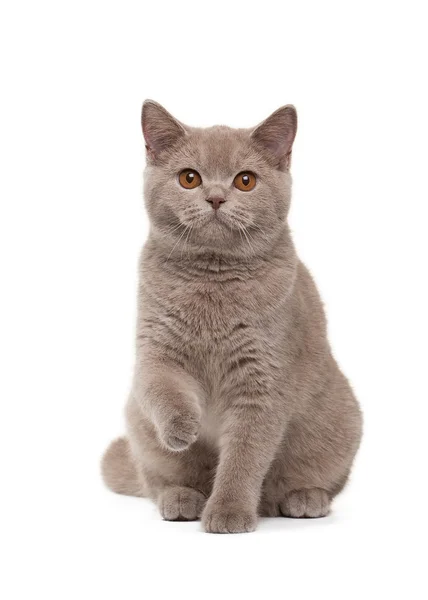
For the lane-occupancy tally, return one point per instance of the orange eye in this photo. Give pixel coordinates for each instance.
(245, 181)
(189, 179)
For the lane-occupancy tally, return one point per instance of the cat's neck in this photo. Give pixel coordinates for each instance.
(220, 265)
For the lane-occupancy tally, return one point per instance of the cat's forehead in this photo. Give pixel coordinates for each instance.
(218, 149)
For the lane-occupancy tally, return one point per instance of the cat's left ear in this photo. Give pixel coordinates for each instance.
(275, 135)
(160, 129)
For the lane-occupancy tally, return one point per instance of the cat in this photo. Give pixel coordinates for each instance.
(237, 408)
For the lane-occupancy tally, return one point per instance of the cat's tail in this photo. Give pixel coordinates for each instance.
(119, 470)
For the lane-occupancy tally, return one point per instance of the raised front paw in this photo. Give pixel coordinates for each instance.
(226, 518)
(180, 429)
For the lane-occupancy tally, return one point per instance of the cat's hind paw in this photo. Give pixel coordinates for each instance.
(311, 503)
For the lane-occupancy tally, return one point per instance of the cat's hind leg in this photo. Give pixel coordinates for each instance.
(313, 463)
(119, 470)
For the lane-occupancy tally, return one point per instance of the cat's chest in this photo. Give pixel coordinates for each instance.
(200, 320)
(209, 320)
(208, 313)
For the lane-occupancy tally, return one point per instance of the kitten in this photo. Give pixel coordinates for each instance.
(237, 408)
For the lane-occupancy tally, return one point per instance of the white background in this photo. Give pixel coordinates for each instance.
(73, 77)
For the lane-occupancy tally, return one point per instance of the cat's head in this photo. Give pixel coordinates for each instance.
(220, 189)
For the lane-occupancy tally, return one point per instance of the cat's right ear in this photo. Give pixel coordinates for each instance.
(161, 131)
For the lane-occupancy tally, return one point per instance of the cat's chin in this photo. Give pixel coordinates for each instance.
(219, 228)
(213, 230)
(218, 220)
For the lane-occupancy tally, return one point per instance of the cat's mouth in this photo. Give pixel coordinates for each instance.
(214, 218)
(221, 217)
(219, 220)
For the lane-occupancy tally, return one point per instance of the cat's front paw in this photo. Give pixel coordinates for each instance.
(181, 504)
(180, 429)
(226, 518)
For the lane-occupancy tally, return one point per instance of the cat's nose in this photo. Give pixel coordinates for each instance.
(215, 202)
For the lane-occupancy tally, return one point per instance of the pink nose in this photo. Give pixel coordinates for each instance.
(215, 202)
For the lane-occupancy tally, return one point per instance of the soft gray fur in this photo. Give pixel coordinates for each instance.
(237, 408)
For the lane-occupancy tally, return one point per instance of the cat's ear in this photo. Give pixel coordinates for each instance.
(161, 131)
(276, 135)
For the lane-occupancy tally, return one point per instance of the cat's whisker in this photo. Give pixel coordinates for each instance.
(176, 243)
(240, 235)
(186, 240)
(254, 226)
(176, 228)
(248, 240)
(242, 229)
(249, 234)
(188, 214)
(245, 222)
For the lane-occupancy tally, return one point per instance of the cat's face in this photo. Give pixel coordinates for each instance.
(220, 189)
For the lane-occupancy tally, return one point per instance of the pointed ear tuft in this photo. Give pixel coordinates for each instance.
(161, 131)
(276, 135)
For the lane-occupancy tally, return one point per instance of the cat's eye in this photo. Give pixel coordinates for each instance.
(245, 181)
(189, 179)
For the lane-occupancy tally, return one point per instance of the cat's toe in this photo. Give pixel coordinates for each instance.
(181, 431)
(181, 504)
(177, 444)
(309, 503)
(229, 520)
